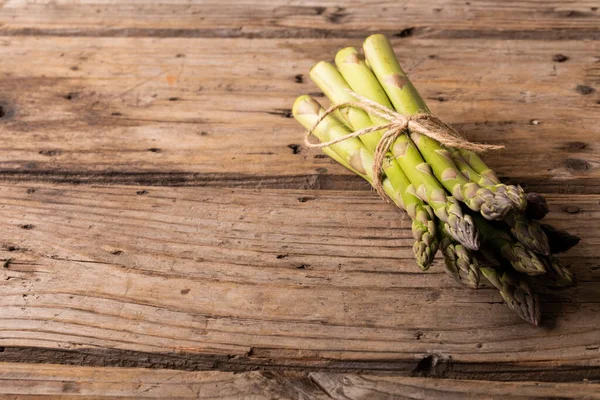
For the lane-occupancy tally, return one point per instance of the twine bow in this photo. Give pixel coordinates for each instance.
(421, 123)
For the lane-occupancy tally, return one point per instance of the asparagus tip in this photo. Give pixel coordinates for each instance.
(466, 233)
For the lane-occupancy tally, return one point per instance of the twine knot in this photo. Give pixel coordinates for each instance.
(421, 123)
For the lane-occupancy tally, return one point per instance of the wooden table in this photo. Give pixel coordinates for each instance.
(164, 233)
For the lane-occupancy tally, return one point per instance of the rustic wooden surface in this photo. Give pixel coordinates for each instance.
(158, 212)
(53, 381)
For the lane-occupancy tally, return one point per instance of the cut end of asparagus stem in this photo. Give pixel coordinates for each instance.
(305, 105)
(400, 90)
(359, 76)
(329, 80)
(380, 44)
(348, 55)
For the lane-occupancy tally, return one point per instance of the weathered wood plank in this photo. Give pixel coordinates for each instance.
(53, 381)
(348, 386)
(528, 19)
(213, 111)
(233, 279)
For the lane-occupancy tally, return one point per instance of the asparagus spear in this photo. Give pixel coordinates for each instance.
(334, 86)
(329, 80)
(515, 193)
(460, 262)
(528, 232)
(426, 186)
(525, 230)
(516, 293)
(537, 207)
(556, 276)
(406, 100)
(352, 154)
(521, 259)
(479, 165)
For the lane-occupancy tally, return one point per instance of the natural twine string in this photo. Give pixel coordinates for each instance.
(421, 123)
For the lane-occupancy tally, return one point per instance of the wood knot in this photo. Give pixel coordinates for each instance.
(337, 15)
(574, 146)
(50, 153)
(406, 32)
(559, 58)
(577, 165)
(295, 148)
(5, 112)
(572, 209)
(433, 365)
(71, 96)
(584, 89)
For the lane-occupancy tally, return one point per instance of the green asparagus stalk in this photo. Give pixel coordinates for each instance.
(329, 80)
(335, 87)
(406, 100)
(460, 262)
(479, 166)
(425, 185)
(528, 232)
(515, 193)
(352, 154)
(521, 259)
(557, 275)
(524, 229)
(516, 293)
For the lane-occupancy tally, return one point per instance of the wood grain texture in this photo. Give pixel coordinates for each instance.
(52, 381)
(157, 209)
(215, 111)
(350, 386)
(198, 278)
(57, 382)
(451, 19)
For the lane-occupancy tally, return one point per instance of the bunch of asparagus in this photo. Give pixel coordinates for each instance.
(456, 202)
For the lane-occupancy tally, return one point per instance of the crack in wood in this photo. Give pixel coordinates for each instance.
(498, 371)
(317, 181)
(309, 33)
